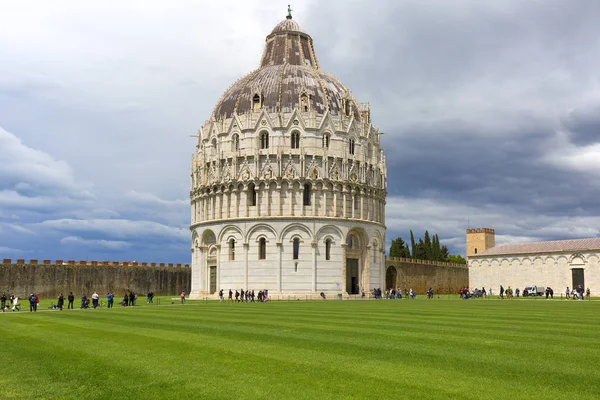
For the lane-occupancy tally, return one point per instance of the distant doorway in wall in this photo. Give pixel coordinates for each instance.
(578, 278)
(390, 278)
(352, 286)
(213, 278)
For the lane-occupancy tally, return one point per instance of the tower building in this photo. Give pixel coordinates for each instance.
(288, 181)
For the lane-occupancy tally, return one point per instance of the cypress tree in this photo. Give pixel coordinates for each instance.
(427, 247)
(413, 247)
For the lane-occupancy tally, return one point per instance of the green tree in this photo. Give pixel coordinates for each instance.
(427, 247)
(445, 253)
(399, 248)
(413, 246)
(456, 258)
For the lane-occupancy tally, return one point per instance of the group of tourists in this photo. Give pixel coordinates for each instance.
(9, 302)
(578, 293)
(12, 302)
(245, 296)
(392, 293)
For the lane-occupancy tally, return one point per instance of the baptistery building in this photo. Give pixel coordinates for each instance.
(288, 181)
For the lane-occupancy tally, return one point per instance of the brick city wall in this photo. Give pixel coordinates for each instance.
(420, 275)
(48, 278)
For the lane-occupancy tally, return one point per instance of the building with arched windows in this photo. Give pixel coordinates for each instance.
(288, 181)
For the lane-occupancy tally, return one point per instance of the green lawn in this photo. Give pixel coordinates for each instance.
(389, 349)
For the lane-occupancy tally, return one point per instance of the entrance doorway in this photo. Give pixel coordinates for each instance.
(213, 279)
(390, 278)
(578, 278)
(352, 286)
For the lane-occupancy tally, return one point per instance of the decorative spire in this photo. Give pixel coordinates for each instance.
(289, 16)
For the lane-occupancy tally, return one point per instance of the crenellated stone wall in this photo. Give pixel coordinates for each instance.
(420, 275)
(48, 278)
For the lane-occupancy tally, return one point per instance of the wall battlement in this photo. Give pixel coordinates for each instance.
(425, 262)
(8, 261)
(481, 230)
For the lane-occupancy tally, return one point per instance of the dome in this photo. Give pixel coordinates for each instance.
(288, 78)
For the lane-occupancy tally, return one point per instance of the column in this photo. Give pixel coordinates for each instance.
(353, 194)
(324, 202)
(259, 199)
(344, 268)
(268, 208)
(279, 265)
(314, 272)
(335, 194)
(218, 267)
(218, 203)
(344, 205)
(366, 281)
(205, 201)
(291, 196)
(246, 249)
(202, 269)
(362, 197)
(228, 203)
(314, 201)
(278, 201)
(237, 203)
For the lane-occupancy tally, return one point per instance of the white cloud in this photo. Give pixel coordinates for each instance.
(118, 228)
(101, 244)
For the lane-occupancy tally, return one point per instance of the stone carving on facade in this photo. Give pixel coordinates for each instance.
(267, 172)
(334, 174)
(245, 173)
(312, 171)
(352, 175)
(226, 172)
(290, 171)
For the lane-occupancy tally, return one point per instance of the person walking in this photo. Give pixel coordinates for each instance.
(15, 303)
(83, 300)
(61, 302)
(71, 298)
(110, 298)
(183, 297)
(221, 296)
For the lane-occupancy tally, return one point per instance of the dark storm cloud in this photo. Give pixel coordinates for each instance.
(471, 96)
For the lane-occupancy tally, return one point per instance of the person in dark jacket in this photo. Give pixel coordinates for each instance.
(32, 303)
(61, 302)
(71, 298)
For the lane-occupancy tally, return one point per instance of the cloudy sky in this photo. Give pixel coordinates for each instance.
(491, 111)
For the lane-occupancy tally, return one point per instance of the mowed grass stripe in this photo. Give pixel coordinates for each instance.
(310, 350)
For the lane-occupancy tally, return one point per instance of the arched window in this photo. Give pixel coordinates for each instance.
(351, 146)
(256, 103)
(306, 194)
(352, 242)
(214, 146)
(304, 104)
(356, 201)
(296, 248)
(251, 195)
(295, 140)
(262, 249)
(326, 141)
(231, 250)
(235, 142)
(264, 140)
(328, 249)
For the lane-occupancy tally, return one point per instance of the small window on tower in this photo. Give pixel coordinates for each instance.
(328, 249)
(295, 140)
(231, 250)
(326, 141)
(235, 142)
(304, 104)
(351, 146)
(262, 249)
(306, 194)
(475, 250)
(296, 248)
(256, 103)
(264, 140)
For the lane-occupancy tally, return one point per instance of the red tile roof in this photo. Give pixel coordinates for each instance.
(543, 247)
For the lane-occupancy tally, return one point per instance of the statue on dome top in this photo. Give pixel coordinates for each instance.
(289, 16)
